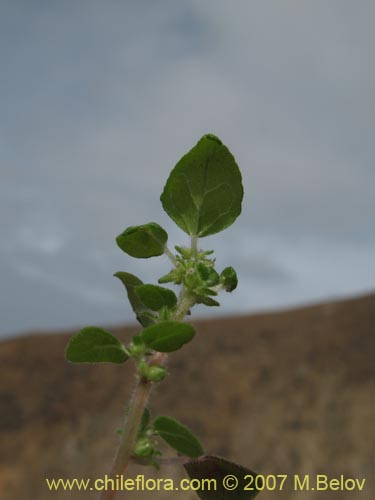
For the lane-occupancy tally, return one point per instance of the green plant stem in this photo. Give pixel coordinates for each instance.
(194, 244)
(185, 303)
(138, 404)
(170, 255)
(129, 435)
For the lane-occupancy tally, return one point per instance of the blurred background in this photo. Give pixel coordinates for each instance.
(100, 100)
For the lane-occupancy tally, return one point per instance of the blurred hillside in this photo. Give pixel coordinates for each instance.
(289, 392)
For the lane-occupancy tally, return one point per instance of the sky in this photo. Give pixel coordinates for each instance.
(99, 100)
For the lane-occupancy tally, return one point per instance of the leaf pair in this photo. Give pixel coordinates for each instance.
(203, 195)
(165, 336)
(145, 299)
(95, 345)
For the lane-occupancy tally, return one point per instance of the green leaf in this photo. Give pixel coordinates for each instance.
(210, 467)
(167, 336)
(208, 291)
(178, 436)
(207, 301)
(204, 192)
(142, 312)
(208, 274)
(172, 276)
(228, 278)
(155, 297)
(184, 251)
(95, 345)
(144, 241)
(137, 340)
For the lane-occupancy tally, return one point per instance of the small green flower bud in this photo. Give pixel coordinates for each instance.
(192, 279)
(137, 347)
(156, 373)
(144, 447)
(143, 369)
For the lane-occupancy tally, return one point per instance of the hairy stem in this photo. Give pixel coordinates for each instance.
(129, 435)
(185, 303)
(138, 404)
(194, 244)
(170, 255)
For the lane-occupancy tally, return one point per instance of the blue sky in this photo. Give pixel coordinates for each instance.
(98, 101)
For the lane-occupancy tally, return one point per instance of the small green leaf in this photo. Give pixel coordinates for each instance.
(207, 301)
(142, 312)
(171, 277)
(144, 241)
(95, 345)
(167, 336)
(228, 278)
(204, 192)
(155, 297)
(184, 251)
(208, 291)
(208, 274)
(226, 474)
(178, 436)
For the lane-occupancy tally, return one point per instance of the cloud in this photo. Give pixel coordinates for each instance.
(102, 101)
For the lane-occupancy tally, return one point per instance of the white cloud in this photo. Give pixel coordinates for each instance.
(102, 101)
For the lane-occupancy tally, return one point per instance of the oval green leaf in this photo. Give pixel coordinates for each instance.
(142, 312)
(178, 436)
(219, 469)
(204, 191)
(144, 241)
(95, 345)
(228, 278)
(167, 336)
(155, 297)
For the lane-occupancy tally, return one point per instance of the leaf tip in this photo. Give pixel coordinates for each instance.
(212, 137)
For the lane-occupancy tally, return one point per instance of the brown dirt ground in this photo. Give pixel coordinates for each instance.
(290, 392)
